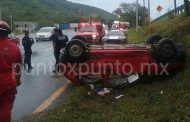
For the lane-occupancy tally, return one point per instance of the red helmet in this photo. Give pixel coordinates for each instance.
(4, 26)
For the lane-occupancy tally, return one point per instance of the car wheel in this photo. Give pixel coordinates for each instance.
(78, 37)
(62, 58)
(76, 51)
(165, 50)
(154, 39)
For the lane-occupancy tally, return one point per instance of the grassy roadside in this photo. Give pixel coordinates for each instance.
(161, 100)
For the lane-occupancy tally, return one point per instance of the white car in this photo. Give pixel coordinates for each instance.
(115, 37)
(44, 33)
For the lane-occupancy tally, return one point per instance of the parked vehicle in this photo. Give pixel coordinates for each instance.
(115, 37)
(44, 33)
(92, 64)
(12, 37)
(122, 26)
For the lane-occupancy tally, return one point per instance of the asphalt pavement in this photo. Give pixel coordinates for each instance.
(40, 83)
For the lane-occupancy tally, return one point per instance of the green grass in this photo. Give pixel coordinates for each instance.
(142, 102)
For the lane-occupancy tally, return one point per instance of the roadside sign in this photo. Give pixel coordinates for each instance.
(159, 8)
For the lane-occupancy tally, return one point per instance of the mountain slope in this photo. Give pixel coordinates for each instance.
(48, 12)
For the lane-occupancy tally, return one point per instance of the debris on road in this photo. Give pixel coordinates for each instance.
(104, 92)
(162, 92)
(92, 86)
(89, 93)
(120, 96)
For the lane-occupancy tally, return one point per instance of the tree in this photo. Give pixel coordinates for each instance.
(117, 12)
(127, 12)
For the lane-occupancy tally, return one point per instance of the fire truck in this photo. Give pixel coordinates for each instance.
(91, 31)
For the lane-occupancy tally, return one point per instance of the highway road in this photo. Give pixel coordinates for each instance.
(39, 85)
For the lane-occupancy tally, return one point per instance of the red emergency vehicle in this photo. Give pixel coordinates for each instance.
(92, 32)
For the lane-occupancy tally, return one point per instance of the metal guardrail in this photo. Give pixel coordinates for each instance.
(171, 14)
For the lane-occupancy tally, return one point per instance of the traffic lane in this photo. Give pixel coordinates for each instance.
(70, 33)
(33, 93)
(40, 83)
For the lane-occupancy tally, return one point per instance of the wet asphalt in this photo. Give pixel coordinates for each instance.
(40, 83)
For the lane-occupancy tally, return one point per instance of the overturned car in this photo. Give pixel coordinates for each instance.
(119, 64)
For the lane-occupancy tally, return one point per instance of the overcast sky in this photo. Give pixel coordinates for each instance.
(111, 5)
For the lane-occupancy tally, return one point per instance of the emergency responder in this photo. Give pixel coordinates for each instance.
(27, 43)
(10, 72)
(59, 42)
(75, 29)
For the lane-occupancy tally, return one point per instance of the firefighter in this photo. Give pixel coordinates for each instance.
(27, 43)
(59, 42)
(10, 72)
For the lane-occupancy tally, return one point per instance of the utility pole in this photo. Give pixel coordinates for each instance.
(187, 10)
(11, 17)
(149, 23)
(137, 15)
(0, 14)
(175, 5)
(144, 3)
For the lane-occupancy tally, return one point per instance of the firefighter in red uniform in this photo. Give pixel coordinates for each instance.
(10, 72)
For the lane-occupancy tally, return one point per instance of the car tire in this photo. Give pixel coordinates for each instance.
(165, 50)
(62, 58)
(76, 51)
(154, 39)
(78, 37)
